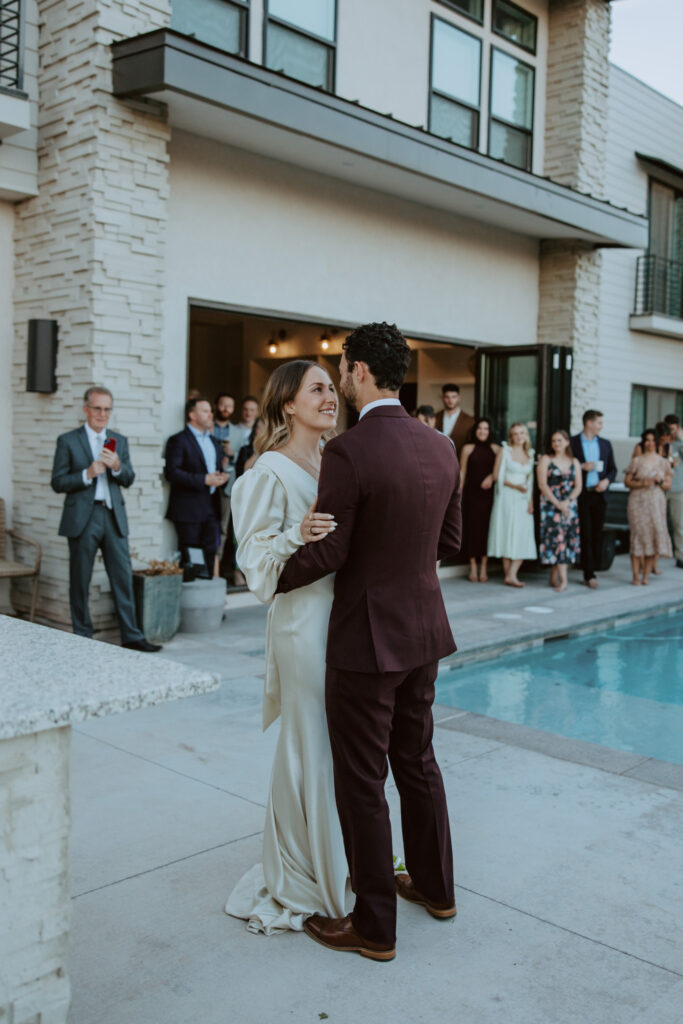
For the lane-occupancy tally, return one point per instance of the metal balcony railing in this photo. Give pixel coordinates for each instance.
(11, 44)
(659, 287)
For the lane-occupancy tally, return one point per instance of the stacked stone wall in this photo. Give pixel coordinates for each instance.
(575, 153)
(569, 314)
(577, 90)
(89, 253)
(34, 879)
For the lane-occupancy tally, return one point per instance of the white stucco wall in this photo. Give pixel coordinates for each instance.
(255, 233)
(640, 120)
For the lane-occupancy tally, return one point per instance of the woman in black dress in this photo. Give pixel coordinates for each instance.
(476, 476)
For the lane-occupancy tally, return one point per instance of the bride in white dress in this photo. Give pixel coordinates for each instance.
(304, 869)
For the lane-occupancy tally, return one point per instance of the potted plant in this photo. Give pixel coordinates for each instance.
(157, 590)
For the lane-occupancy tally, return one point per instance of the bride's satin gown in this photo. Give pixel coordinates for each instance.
(304, 868)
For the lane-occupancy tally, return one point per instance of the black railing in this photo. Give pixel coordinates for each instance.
(11, 44)
(659, 286)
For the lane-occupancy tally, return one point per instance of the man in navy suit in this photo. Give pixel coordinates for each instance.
(91, 465)
(599, 471)
(193, 469)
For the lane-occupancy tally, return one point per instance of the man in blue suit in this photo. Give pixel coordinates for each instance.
(193, 468)
(599, 471)
(91, 465)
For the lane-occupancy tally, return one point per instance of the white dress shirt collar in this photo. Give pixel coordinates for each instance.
(376, 404)
(93, 435)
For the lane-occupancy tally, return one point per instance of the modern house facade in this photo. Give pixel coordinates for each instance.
(208, 187)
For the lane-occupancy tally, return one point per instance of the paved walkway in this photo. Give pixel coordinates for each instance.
(568, 871)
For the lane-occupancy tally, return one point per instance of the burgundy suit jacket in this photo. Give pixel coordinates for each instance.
(393, 486)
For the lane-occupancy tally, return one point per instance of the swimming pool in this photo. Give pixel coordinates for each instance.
(622, 688)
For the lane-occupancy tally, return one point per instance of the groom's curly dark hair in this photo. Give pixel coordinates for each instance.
(384, 349)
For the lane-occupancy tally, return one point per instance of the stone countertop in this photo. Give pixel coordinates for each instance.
(49, 679)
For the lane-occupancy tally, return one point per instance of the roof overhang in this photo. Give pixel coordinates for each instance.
(212, 94)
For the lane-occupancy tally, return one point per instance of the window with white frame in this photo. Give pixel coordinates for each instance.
(222, 23)
(300, 37)
(483, 77)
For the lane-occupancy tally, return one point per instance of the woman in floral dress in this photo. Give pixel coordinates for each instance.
(647, 477)
(559, 480)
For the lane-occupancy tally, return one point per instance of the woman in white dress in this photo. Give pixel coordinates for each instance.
(511, 533)
(304, 869)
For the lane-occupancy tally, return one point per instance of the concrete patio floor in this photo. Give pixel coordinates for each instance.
(568, 865)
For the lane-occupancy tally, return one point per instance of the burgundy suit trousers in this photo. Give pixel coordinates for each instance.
(372, 717)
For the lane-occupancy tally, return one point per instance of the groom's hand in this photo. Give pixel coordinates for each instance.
(316, 525)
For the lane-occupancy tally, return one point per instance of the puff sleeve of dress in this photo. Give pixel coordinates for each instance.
(265, 542)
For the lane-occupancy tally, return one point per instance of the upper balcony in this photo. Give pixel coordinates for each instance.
(14, 105)
(658, 306)
(211, 93)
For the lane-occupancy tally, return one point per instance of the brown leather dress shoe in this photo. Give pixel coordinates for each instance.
(339, 933)
(406, 889)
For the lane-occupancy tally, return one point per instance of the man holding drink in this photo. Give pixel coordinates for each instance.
(599, 471)
(91, 465)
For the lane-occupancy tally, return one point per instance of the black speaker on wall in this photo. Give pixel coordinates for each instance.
(41, 364)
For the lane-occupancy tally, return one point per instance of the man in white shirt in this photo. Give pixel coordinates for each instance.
(452, 420)
(91, 465)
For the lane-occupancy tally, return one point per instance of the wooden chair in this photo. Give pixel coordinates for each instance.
(12, 570)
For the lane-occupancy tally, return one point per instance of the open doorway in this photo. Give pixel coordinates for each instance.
(236, 352)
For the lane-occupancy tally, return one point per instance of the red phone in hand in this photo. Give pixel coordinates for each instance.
(110, 443)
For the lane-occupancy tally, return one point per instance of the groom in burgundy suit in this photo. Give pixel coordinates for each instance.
(393, 487)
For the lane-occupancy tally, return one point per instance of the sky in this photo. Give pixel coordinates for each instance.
(647, 41)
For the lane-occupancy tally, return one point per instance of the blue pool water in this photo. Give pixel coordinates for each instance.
(622, 688)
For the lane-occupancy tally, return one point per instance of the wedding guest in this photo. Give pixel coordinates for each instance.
(91, 466)
(247, 454)
(675, 494)
(559, 480)
(511, 532)
(648, 477)
(598, 472)
(231, 439)
(193, 459)
(425, 414)
(476, 479)
(249, 412)
(453, 421)
(663, 435)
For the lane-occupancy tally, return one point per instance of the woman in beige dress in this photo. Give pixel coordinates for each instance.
(647, 476)
(304, 869)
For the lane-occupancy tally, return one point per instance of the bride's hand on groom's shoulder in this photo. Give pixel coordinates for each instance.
(316, 525)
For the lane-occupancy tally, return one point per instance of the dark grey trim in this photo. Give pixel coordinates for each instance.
(164, 62)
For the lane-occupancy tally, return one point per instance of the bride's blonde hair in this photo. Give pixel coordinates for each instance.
(283, 386)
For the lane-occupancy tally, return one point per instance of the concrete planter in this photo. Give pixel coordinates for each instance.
(201, 605)
(157, 603)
